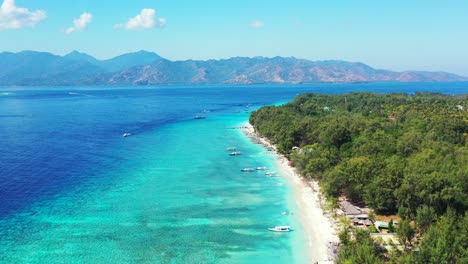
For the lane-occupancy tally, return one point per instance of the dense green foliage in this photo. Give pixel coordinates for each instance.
(394, 152)
(445, 242)
(390, 151)
(362, 249)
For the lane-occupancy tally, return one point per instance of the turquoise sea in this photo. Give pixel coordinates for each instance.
(73, 190)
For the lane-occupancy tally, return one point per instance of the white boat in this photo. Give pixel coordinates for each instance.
(126, 134)
(248, 170)
(261, 168)
(231, 149)
(236, 153)
(271, 174)
(199, 117)
(280, 229)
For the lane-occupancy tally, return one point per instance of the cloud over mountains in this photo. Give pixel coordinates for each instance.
(13, 17)
(145, 20)
(80, 23)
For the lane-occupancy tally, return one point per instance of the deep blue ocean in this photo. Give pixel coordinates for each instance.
(73, 190)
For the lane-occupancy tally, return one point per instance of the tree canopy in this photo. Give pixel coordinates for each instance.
(394, 152)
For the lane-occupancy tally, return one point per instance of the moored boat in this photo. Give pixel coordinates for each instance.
(280, 229)
(231, 149)
(247, 169)
(199, 117)
(126, 134)
(261, 168)
(235, 153)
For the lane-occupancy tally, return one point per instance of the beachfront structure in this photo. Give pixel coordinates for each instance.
(362, 220)
(357, 215)
(383, 226)
(349, 209)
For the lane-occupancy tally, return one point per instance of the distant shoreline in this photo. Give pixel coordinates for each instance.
(320, 232)
(148, 68)
(279, 84)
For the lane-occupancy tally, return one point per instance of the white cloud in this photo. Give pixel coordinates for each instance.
(13, 17)
(257, 24)
(80, 23)
(145, 20)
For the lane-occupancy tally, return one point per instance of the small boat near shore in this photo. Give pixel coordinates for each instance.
(280, 229)
(231, 149)
(199, 117)
(248, 170)
(235, 153)
(261, 168)
(270, 174)
(126, 134)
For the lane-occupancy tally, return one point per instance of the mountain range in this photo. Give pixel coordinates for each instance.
(31, 68)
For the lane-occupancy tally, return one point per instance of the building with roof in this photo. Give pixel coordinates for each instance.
(349, 209)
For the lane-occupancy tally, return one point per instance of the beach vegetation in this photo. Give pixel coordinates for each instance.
(358, 247)
(405, 232)
(373, 229)
(391, 226)
(396, 153)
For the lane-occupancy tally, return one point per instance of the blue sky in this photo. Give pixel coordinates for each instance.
(396, 35)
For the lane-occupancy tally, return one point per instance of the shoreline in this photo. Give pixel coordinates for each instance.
(319, 229)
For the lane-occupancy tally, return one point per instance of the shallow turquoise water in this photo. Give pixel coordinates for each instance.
(74, 191)
(178, 197)
(184, 201)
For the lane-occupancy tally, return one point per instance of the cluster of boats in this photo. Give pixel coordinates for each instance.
(281, 228)
(268, 173)
(233, 152)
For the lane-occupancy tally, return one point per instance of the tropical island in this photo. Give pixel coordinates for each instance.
(126, 135)
(398, 161)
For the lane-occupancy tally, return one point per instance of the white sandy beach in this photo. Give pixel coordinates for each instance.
(320, 235)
